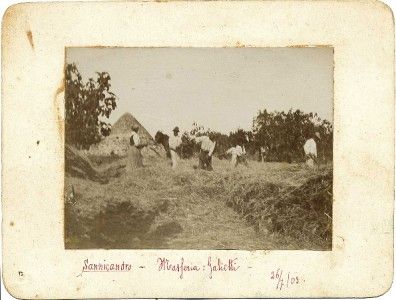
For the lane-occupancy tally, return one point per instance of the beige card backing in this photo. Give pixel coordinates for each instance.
(34, 37)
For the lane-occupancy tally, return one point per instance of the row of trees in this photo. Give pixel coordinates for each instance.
(282, 134)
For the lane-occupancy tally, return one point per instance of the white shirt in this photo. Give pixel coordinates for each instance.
(174, 141)
(136, 138)
(206, 143)
(310, 147)
(231, 151)
(238, 151)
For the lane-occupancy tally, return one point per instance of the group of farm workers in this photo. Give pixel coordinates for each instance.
(207, 146)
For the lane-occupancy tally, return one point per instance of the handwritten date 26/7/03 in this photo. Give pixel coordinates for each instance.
(285, 280)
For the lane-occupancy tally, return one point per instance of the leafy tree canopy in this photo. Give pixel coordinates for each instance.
(86, 105)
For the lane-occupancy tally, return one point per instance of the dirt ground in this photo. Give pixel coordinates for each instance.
(156, 207)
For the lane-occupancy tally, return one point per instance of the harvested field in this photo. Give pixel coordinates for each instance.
(264, 206)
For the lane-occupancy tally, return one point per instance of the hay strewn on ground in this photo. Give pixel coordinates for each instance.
(265, 206)
(301, 214)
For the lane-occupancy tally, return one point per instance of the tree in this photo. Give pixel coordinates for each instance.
(284, 134)
(86, 105)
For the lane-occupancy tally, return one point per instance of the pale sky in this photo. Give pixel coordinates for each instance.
(219, 88)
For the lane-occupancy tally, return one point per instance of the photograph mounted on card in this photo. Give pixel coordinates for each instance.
(167, 156)
(232, 158)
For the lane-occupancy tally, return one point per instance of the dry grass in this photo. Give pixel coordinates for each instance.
(264, 206)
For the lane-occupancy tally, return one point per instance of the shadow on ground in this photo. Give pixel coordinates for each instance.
(118, 226)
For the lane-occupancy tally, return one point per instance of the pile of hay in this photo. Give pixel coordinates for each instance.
(124, 125)
(302, 215)
(77, 164)
(117, 143)
(288, 205)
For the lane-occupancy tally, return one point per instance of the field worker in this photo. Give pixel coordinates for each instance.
(263, 153)
(234, 155)
(206, 151)
(174, 143)
(310, 150)
(242, 158)
(135, 158)
(235, 152)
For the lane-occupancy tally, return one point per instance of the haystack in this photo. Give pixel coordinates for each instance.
(118, 140)
(124, 125)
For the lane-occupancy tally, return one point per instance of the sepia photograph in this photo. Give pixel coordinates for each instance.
(224, 149)
(206, 148)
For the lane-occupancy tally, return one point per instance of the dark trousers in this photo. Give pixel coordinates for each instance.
(205, 160)
(242, 160)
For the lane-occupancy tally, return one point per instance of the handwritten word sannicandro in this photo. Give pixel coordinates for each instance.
(211, 266)
(105, 267)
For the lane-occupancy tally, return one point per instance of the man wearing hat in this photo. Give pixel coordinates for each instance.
(174, 143)
(310, 150)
